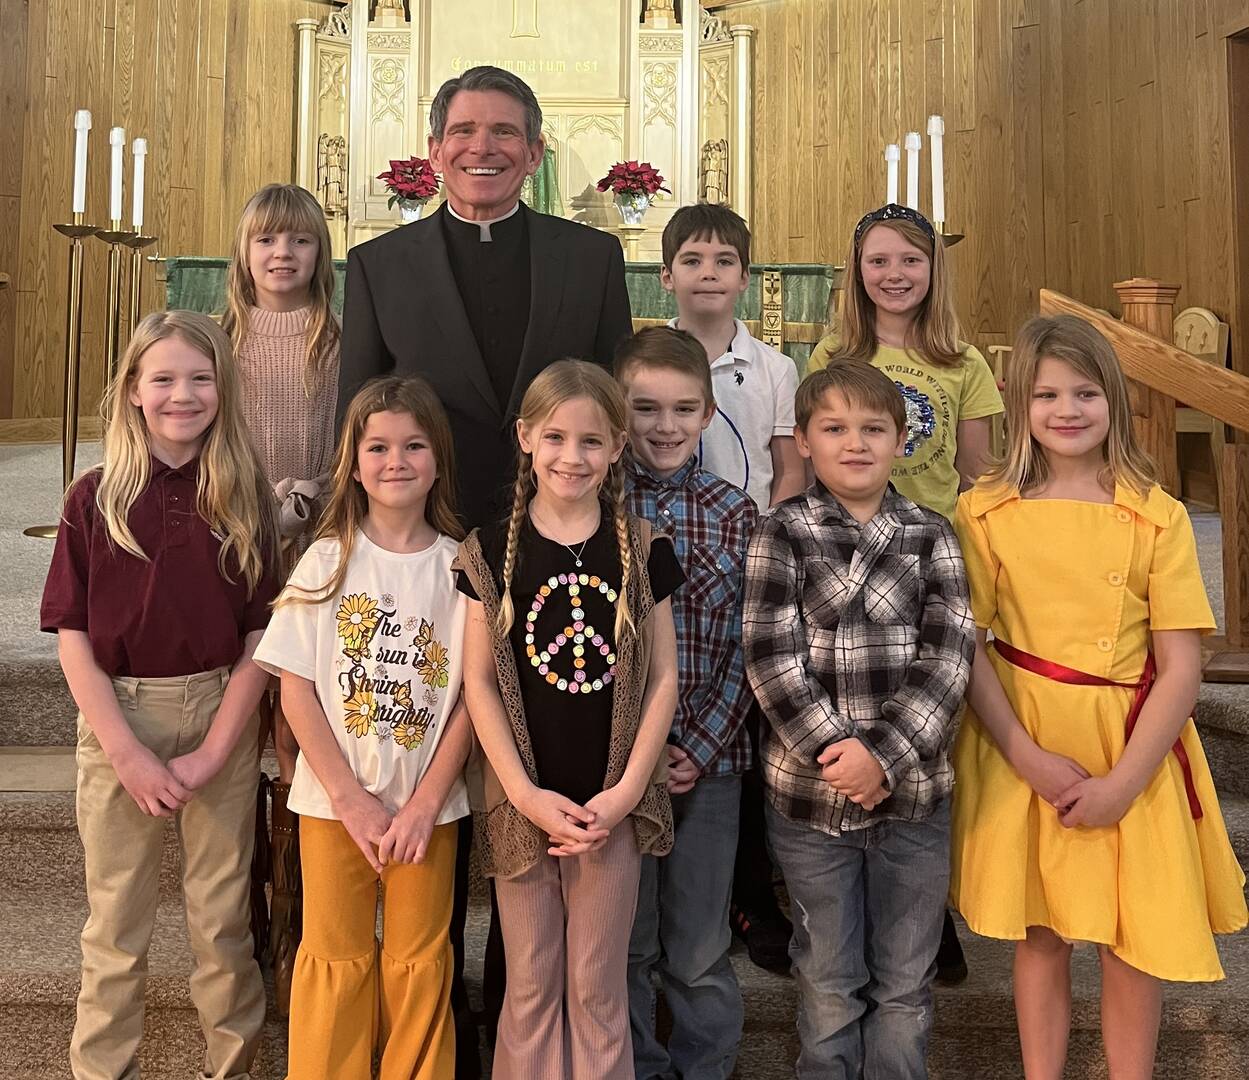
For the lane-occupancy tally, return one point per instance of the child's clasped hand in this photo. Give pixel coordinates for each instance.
(851, 769)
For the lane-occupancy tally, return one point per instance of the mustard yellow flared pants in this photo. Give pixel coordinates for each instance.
(348, 997)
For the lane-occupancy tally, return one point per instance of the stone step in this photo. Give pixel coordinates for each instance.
(38, 711)
(1205, 1028)
(39, 835)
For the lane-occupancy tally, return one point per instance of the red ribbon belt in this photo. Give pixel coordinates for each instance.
(1047, 669)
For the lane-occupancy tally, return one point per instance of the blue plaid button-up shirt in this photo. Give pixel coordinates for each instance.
(710, 522)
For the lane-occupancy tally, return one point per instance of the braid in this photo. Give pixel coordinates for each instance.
(520, 502)
(613, 488)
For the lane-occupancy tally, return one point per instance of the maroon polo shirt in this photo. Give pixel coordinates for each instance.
(173, 615)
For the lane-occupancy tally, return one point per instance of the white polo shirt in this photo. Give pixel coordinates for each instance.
(754, 386)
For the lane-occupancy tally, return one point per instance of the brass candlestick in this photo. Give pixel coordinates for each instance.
(947, 238)
(114, 236)
(77, 232)
(136, 243)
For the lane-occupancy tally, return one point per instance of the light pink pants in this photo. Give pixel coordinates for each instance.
(566, 926)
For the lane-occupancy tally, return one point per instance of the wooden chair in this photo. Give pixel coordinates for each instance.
(1200, 332)
(999, 355)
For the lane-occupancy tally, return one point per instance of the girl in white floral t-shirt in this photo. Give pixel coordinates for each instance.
(367, 641)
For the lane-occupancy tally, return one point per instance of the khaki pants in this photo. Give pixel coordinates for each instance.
(123, 855)
(566, 926)
(345, 1002)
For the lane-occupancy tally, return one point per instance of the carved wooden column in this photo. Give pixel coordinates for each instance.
(1149, 305)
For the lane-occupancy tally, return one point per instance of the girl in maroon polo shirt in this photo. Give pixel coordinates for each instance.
(165, 565)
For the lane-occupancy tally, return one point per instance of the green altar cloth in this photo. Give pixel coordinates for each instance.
(197, 282)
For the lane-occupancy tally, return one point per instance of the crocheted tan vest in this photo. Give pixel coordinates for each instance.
(508, 842)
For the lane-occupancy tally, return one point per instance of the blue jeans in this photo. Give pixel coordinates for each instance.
(867, 909)
(681, 931)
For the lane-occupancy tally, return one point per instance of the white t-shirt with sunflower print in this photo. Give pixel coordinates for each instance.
(385, 654)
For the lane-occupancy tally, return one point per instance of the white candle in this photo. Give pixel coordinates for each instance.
(82, 125)
(136, 182)
(117, 141)
(892, 156)
(912, 169)
(936, 135)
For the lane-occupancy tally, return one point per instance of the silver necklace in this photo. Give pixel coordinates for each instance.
(575, 553)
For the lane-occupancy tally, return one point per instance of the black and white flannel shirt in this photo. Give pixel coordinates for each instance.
(856, 630)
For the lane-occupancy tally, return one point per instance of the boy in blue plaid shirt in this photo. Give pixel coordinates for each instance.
(681, 929)
(859, 638)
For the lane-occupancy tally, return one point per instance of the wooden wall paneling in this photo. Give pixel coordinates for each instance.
(1054, 149)
(823, 103)
(934, 20)
(95, 84)
(186, 144)
(32, 280)
(869, 180)
(14, 29)
(1178, 56)
(213, 59)
(960, 57)
(912, 79)
(1234, 89)
(776, 169)
(1025, 212)
(798, 125)
(985, 253)
(10, 207)
(850, 101)
(826, 207)
(1060, 168)
(13, 75)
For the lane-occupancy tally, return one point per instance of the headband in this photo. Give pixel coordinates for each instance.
(893, 212)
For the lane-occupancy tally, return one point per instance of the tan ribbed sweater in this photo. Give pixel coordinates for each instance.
(293, 433)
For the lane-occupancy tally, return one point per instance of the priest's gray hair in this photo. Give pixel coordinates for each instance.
(486, 78)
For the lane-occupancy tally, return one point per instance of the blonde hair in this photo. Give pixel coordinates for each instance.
(279, 208)
(232, 494)
(1023, 465)
(349, 503)
(935, 331)
(565, 381)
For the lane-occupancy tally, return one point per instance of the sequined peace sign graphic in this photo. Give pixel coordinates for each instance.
(577, 636)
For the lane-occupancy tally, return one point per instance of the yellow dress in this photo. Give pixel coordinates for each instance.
(1082, 584)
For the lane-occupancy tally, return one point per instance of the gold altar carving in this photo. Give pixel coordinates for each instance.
(771, 313)
(617, 79)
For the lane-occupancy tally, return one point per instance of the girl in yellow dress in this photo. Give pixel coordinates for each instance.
(1065, 830)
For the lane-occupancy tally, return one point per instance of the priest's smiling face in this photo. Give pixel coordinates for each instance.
(483, 155)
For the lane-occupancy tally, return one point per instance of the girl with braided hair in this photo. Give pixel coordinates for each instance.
(571, 682)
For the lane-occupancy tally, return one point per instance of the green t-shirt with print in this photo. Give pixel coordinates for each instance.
(937, 399)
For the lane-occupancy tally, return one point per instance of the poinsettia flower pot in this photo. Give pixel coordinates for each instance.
(410, 210)
(632, 207)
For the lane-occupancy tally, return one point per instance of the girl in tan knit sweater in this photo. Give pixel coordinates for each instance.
(280, 286)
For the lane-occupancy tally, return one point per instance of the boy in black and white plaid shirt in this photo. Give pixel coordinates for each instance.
(859, 639)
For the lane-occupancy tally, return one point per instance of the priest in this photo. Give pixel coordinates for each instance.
(481, 295)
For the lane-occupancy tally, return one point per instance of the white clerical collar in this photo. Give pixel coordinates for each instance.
(483, 225)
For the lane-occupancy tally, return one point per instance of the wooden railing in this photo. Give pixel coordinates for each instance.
(1161, 374)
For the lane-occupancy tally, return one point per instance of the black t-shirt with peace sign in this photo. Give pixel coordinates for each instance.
(563, 637)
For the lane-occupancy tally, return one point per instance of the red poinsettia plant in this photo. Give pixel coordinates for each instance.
(413, 180)
(632, 178)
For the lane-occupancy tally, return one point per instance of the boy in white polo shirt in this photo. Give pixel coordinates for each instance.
(750, 442)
